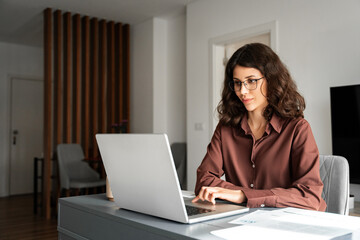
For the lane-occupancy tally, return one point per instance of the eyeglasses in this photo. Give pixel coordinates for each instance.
(250, 84)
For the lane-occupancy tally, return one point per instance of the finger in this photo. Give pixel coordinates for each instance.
(212, 198)
(201, 193)
(212, 194)
(206, 194)
(195, 199)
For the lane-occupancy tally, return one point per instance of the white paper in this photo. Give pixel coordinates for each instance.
(256, 216)
(251, 231)
(316, 218)
(291, 223)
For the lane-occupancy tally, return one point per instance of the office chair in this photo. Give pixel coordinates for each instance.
(334, 172)
(179, 155)
(74, 172)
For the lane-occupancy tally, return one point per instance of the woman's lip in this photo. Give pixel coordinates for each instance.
(246, 100)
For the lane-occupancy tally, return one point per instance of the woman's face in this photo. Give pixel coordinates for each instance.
(255, 99)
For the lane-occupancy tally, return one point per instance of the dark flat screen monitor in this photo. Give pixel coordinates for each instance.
(345, 126)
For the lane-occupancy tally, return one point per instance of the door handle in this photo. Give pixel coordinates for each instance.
(15, 132)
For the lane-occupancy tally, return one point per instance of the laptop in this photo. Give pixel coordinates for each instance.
(143, 178)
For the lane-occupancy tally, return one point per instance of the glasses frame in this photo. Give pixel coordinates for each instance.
(232, 84)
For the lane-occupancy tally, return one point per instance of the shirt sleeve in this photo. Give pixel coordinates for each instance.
(306, 187)
(210, 171)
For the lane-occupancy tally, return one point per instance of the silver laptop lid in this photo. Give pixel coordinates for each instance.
(141, 175)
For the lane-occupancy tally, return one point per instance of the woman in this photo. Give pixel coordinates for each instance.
(262, 143)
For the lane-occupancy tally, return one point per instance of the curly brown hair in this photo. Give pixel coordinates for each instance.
(282, 95)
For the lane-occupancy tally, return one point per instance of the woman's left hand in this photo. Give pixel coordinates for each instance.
(211, 193)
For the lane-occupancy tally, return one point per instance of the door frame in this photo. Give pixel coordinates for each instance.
(221, 41)
(10, 78)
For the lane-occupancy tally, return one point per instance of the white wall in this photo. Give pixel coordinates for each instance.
(141, 77)
(158, 94)
(319, 41)
(160, 75)
(176, 78)
(15, 60)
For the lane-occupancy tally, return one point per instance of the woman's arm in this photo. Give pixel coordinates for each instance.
(210, 171)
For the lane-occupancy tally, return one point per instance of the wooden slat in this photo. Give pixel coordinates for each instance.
(86, 84)
(102, 77)
(94, 83)
(57, 111)
(76, 79)
(57, 79)
(111, 75)
(47, 111)
(119, 72)
(126, 37)
(67, 77)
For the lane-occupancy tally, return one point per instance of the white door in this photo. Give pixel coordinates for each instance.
(26, 132)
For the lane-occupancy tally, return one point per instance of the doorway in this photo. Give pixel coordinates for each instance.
(26, 126)
(222, 48)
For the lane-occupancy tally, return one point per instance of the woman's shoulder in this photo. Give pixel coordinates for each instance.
(225, 129)
(297, 124)
(298, 121)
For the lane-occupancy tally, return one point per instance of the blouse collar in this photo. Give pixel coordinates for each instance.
(275, 122)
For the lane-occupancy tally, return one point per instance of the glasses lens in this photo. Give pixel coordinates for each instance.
(250, 84)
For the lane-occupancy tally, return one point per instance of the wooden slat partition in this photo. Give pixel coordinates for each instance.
(76, 129)
(94, 82)
(67, 78)
(126, 92)
(58, 104)
(91, 83)
(111, 76)
(47, 111)
(119, 73)
(103, 79)
(86, 84)
(58, 136)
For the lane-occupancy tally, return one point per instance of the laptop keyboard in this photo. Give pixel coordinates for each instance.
(196, 210)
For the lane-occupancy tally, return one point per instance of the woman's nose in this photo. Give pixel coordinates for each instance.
(243, 89)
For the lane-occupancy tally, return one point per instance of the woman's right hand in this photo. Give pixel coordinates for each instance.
(211, 193)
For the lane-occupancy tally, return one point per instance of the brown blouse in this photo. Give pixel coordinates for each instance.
(281, 169)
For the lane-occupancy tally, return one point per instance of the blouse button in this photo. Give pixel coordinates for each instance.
(251, 185)
(253, 165)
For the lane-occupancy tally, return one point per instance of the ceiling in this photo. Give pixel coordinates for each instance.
(21, 21)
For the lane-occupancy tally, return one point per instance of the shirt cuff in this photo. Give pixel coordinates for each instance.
(259, 198)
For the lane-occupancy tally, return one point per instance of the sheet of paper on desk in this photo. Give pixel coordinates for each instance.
(259, 232)
(292, 223)
(256, 216)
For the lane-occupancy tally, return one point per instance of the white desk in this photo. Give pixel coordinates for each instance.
(94, 217)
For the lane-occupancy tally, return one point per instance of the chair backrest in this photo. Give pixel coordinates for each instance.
(71, 164)
(179, 154)
(334, 172)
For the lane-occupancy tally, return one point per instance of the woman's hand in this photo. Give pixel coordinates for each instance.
(210, 193)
